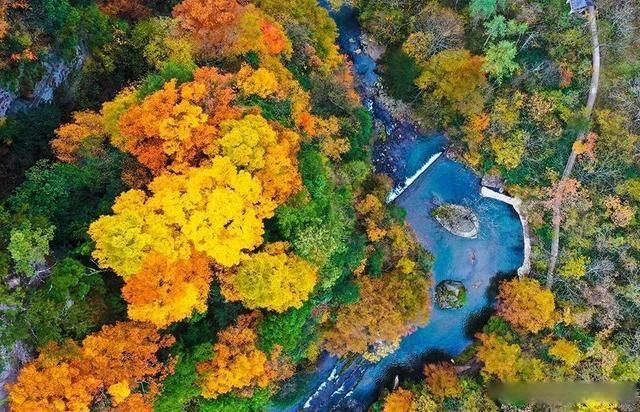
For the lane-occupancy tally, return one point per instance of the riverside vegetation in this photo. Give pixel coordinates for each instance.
(509, 81)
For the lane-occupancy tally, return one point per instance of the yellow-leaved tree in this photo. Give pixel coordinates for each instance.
(245, 141)
(266, 150)
(125, 238)
(567, 351)
(500, 357)
(216, 210)
(261, 82)
(271, 280)
(526, 305)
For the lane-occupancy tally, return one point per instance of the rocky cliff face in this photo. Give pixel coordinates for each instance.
(14, 358)
(56, 73)
(6, 100)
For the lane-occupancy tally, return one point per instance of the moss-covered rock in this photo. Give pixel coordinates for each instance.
(450, 294)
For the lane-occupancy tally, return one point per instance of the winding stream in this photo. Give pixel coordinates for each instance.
(422, 179)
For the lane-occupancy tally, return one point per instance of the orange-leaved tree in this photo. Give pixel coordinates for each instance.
(177, 125)
(220, 170)
(117, 360)
(173, 128)
(209, 22)
(237, 363)
(400, 400)
(52, 382)
(388, 308)
(85, 135)
(442, 380)
(307, 13)
(167, 125)
(228, 28)
(182, 126)
(163, 292)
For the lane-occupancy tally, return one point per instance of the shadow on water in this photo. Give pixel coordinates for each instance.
(494, 285)
(476, 321)
(414, 370)
(409, 372)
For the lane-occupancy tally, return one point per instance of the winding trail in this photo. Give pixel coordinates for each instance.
(556, 203)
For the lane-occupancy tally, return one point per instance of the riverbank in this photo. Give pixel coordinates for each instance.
(399, 110)
(404, 114)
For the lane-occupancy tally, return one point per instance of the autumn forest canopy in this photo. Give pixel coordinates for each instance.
(190, 218)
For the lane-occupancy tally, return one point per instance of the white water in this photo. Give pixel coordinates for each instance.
(400, 189)
(332, 377)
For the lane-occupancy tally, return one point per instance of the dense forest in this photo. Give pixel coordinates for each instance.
(190, 218)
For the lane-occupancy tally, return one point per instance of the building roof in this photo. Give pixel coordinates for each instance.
(578, 6)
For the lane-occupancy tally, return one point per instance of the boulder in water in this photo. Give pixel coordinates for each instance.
(459, 220)
(450, 294)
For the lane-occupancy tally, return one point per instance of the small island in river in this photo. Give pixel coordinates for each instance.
(450, 294)
(459, 220)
